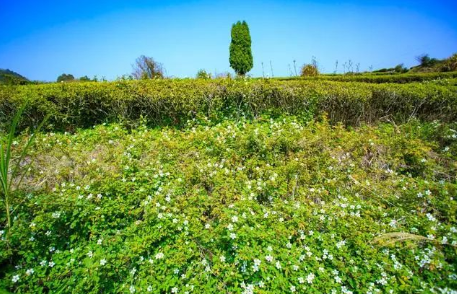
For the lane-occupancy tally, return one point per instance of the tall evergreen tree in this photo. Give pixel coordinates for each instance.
(240, 49)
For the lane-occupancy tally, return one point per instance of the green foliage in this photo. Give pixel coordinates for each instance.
(379, 78)
(450, 64)
(85, 79)
(9, 77)
(65, 78)
(271, 205)
(172, 102)
(426, 61)
(202, 74)
(240, 49)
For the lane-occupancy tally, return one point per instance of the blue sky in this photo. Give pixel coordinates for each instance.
(43, 39)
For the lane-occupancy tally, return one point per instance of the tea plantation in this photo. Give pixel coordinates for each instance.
(233, 186)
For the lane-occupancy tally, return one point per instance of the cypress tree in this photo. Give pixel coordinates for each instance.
(240, 49)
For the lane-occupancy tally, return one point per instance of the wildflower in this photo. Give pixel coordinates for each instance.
(278, 265)
(207, 226)
(340, 244)
(174, 290)
(90, 254)
(292, 288)
(43, 263)
(234, 219)
(301, 280)
(29, 272)
(232, 235)
(222, 258)
(149, 289)
(99, 241)
(269, 258)
(132, 289)
(310, 278)
(159, 255)
(52, 264)
(103, 261)
(15, 278)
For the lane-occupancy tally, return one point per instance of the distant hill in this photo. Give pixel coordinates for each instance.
(9, 77)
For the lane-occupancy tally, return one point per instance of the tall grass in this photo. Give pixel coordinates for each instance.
(10, 168)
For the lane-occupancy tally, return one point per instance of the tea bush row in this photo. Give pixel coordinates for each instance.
(172, 102)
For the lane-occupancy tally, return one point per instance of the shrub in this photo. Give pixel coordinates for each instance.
(173, 102)
(202, 74)
(309, 70)
(451, 63)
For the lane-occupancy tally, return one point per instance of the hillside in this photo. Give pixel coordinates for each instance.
(10, 77)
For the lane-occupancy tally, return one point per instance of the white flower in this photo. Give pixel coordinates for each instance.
(232, 235)
(269, 258)
(174, 290)
(338, 279)
(230, 227)
(301, 280)
(15, 278)
(149, 289)
(234, 219)
(29, 272)
(103, 261)
(278, 265)
(222, 258)
(43, 263)
(52, 264)
(310, 278)
(99, 241)
(207, 226)
(159, 255)
(340, 244)
(90, 254)
(292, 288)
(132, 289)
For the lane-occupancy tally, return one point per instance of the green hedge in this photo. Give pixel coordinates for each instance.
(379, 78)
(173, 102)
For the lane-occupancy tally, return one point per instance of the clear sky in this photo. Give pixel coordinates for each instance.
(43, 39)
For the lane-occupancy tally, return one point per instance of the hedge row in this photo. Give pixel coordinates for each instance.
(384, 78)
(173, 102)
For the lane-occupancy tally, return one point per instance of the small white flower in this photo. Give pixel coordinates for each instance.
(52, 264)
(310, 278)
(43, 263)
(234, 219)
(269, 258)
(222, 258)
(278, 265)
(103, 261)
(90, 254)
(149, 289)
(29, 272)
(207, 226)
(15, 278)
(292, 288)
(159, 255)
(174, 290)
(99, 241)
(132, 289)
(301, 280)
(232, 235)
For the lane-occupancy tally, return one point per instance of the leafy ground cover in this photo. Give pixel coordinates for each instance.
(271, 205)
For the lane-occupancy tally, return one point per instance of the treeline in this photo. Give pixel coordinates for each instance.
(173, 102)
